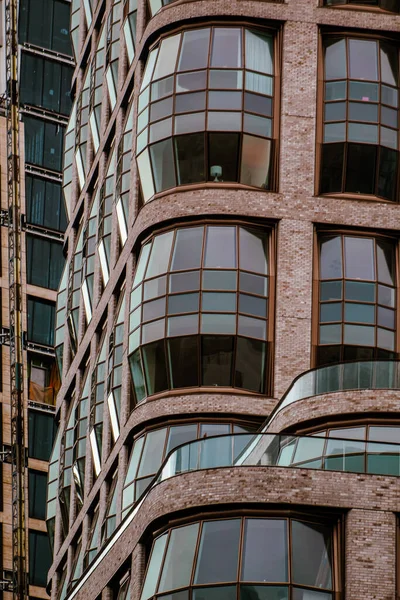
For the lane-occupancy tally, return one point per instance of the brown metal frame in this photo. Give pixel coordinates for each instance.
(360, 6)
(346, 35)
(276, 34)
(333, 520)
(319, 232)
(268, 383)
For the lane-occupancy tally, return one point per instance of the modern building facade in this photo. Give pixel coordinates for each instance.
(228, 322)
(45, 71)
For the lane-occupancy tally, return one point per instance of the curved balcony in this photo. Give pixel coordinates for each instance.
(274, 450)
(342, 377)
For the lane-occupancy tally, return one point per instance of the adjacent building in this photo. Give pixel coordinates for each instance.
(228, 321)
(45, 71)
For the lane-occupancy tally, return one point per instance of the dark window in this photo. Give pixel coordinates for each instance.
(39, 558)
(391, 5)
(45, 83)
(360, 146)
(45, 23)
(44, 203)
(357, 293)
(43, 143)
(40, 433)
(41, 321)
(45, 262)
(37, 494)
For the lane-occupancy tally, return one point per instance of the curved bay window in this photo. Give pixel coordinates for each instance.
(245, 559)
(206, 110)
(151, 448)
(360, 149)
(389, 5)
(357, 298)
(200, 307)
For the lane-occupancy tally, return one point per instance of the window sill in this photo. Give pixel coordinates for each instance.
(200, 390)
(357, 197)
(208, 185)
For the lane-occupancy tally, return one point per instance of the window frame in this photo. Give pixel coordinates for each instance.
(319, 233)
(334, 520)
(323, 35)
(276, 32)
(263, 226)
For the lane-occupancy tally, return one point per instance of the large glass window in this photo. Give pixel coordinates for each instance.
(45, 23)
(40, 434)
(206, 110)
(39, 558)
(43, 143)
(45, 83)
(150, 450)
(41, 321)
(245, 558)
(357, 298)
(44, 203)
(45, 262)
(199, 310)
(390, 5)
(360, 146)
(37, 494)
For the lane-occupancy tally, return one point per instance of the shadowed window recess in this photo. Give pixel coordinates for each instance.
(206, 110)
(360, 146)
(200, 310)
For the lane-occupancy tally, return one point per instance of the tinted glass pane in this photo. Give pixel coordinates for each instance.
(367, 92)
(331, 312)
(386, 262)
(359, 258)
(258, 592)
(162, 160)
(252, 305)
(216, 593)
(37, 494)
(153, 569)
(335, 59)
(167, 57)
(183, 303)
(185, 325)
(253, 251)
(188, 247)
(330, 290)
(160, 254)
(184, 282)
(220, 251)
(332, 168)
(359, 313)
(250, 365)
(388, 160)
(218, 552)
(223, 149)
(194, 53)
(190, 102)
(256, 156)
(254, 284)
(219, 280)
(299, 594)
(311, 555)
(357, 290)
(152, 453)
(335, 111)
(362, 111)
(363, 59)
(155, 367)
(189, 152)
(389, 63)
(216, 360)
(259, 52)
(179, 558)
(265, 552)
(331, 258)
(225, 100)
(181, 434)
(217, 302)
(359, 335)
(226, 48)
(39, 558)
(184, 362)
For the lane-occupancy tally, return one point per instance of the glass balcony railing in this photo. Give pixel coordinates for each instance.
(358, 375)
(274, 450)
